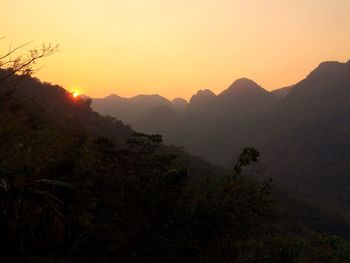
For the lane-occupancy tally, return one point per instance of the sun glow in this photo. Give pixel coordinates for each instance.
(174, 48)
(75, 94)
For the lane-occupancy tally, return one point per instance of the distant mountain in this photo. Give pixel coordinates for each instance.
(244, 97)
(128, 109)
(328, 83)
(202, 100)
(282, 92)
(243, 88)
(179, 104)
(131, 110)
(306, 137)
(302, 130)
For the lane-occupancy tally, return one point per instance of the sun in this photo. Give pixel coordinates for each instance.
(75, 94)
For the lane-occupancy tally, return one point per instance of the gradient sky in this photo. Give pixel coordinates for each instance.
(175, 47)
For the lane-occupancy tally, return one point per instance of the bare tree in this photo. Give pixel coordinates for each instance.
(23, 64)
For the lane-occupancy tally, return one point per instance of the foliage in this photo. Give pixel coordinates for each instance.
(78, 187)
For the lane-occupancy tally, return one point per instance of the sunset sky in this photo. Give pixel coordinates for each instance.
(175, 47)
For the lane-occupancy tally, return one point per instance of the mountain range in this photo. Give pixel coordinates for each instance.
(302, 130)
(80, 187)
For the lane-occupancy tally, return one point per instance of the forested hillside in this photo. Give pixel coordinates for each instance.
(78, 187)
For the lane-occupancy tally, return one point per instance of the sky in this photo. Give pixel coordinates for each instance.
(176, 47)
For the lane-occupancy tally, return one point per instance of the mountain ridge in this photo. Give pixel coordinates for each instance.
(295, 131)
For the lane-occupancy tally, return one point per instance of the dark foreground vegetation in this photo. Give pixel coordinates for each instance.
(78, 187)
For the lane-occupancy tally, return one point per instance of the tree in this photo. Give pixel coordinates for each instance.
(23, 64)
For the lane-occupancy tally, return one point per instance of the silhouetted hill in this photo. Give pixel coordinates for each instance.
(128, 109)
(326, 84)
(244, 97)
(179, 104)
(243, 88)
(79, 187)
(308, 132)
(282, 92)
(202, 101)
(302, 133)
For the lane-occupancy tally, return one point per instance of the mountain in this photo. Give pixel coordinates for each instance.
(282, 92)
(132, 110)
(242, 89)
(328, 83)
(209, 116)
(302, 130)
(244, 97)
(308, 132)
(79, 187)
(75, 184)
(201, 101)
(128, 109)
(179, 104)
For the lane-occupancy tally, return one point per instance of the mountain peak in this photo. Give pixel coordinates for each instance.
(329, 70)
(329, 63)
(145, 96)
(205, 92)
(329, 79)
(243, 86)
(179, 103)
(243, 82)
(201, 98)
(113, 96)
(205, 95)
(329, 67)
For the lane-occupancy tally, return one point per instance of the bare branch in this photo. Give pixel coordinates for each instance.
(23, 65)
(11, 51)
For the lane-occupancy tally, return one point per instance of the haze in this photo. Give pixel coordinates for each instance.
(176, 47)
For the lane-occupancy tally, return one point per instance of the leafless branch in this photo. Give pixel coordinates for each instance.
(23, 64)
(11, 51)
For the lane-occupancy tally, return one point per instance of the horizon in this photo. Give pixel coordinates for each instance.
(175, 48)
(74, 91)
(217, 93)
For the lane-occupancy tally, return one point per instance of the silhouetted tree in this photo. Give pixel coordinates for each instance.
(23, 64)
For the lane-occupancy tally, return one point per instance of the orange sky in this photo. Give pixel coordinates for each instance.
(175, 47)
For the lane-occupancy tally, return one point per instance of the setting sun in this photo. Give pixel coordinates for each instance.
(75, 94)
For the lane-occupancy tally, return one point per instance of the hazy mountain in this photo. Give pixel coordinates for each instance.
(282, 92)
(244, 97)
(327, 84)
(243, 89)
(128, 109)
(134, 109)
(305, 138)
(304, 134)
(302, 130)
(179, 104)
(202, 97)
